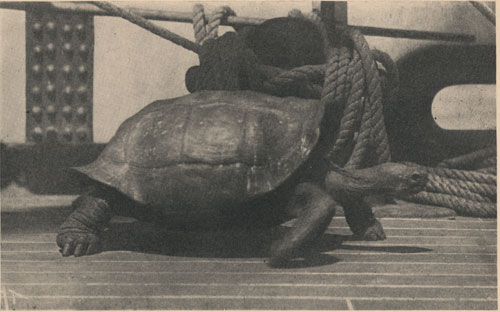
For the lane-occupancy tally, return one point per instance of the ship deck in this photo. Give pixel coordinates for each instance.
(425, 263)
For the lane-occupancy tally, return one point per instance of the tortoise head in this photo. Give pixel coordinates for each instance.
(401, 179)
(389, 178)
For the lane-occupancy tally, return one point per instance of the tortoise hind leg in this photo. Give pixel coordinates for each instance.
(314, 209)
(80, 234)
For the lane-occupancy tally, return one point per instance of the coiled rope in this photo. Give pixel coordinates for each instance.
(467, 184)
(350, 82)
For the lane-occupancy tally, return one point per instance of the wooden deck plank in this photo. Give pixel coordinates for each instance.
(254, 289)
(227, 266)
(418, 304)
(340, 278)
(348, 257)
(478, 240)
(36, 221)
(188, 303)
(26, 248)
(49, 236)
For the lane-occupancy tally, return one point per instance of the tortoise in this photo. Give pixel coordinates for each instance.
(229, 155)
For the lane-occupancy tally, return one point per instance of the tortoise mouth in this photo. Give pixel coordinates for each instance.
(416, 183)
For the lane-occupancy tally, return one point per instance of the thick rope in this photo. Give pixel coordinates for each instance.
(374, 125)
(469, 193)
(482, 158)
(489, 170)
(199, 23)
(462, 206)
(216, 18)
(464, 175)
(472, 191)
(469, 188)
(485, 10)
(208, 27)
(146, 24)
(487, 162)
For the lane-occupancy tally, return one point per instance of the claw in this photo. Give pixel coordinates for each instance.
(371, 237)
(78, 244)
(68, 249)
(80, 250)
(374, 232)
(92, 249)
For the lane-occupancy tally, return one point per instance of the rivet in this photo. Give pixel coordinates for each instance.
(51, 133)
(51, 70)
(51, 50)
(37, 133)
(67, 30)
(67, 111)
(68, 49)
(36, 112)
(37, 28)
(37, 51)
(83, 50)
(36, 92)
(80, 110)
(80, 29)
(68, 94)
(81, 133)
(50, 27)
(82, 92)
(36, 70)
(51, 91)
(67, 71)
(67, 133)
(82, 72)
(51, 109)
(51, 112)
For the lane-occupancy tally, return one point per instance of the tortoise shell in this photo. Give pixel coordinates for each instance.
(208, 149)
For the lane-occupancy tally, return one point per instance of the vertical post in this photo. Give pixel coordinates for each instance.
(59, 77)
(332, 13)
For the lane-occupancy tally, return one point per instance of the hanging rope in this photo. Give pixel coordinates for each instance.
(207, 27)
(349, 82)
(485, 10)
(146, 24)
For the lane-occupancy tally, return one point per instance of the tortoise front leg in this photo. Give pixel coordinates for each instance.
(350, 187)
(314, 208)
(80, 234)
(359, 216)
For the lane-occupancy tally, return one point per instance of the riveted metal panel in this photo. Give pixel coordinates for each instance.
(59, 77)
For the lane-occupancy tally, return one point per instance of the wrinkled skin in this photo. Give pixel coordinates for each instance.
(350, 187)
(311, 204)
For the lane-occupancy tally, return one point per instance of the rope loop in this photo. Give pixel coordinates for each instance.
(208, 27)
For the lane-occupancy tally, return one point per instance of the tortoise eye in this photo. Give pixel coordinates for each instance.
(416, 176)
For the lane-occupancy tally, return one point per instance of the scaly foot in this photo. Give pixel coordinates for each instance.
(79, 235)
